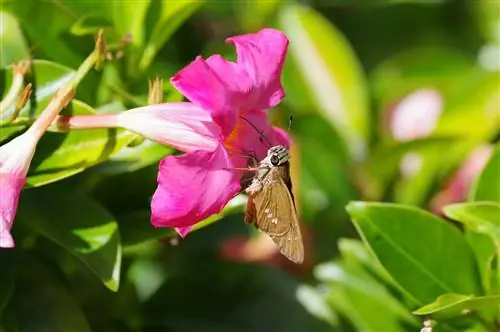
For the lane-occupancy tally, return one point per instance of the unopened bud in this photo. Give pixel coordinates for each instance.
(23, 99)
(155, 94)
(100, 49)
(21, 68)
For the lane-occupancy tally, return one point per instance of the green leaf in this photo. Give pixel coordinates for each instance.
(487, 186)
(449, 306)
(60, 155)
(13, 47)
(480, 217)
(130, 159)
(473, 109)
(485, 252)
(323, 59)
(424, 254)
(360, 297)
(168, 16)
(79, 224)
(40, 303)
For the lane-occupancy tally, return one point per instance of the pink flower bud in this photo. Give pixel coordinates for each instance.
(15, 159)
(416, 115)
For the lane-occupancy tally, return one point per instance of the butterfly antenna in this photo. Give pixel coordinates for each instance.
(262, 136)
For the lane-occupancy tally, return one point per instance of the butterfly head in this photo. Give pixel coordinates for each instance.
(276, 156)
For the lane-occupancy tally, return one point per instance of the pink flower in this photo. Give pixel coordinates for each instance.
(416, 115)
(193, 186)
(15, 158)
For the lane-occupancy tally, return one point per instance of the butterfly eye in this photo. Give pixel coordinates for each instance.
(275, 160)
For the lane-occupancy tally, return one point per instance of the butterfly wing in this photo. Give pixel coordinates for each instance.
(272, 210)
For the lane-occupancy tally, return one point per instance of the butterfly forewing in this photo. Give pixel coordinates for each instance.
(272, 210)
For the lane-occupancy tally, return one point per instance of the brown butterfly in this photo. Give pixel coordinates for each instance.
(271, 206)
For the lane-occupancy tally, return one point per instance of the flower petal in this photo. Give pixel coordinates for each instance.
(262, 54)
(192, 187)
(219, 89)
(184, 126)
(10, 188)
(252, 134)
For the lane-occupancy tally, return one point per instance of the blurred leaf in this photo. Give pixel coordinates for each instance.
(79, 224)
(333, 75)
(437, 68)
(13, 47)
(229, 301)
(253, 15)
(136, 228)
(435, 262)
(480, 217)
(361, 298)
(487, 186)
(473, 109)
(449, 306)
(41, 304)
(488, 19)
(168, 16)
(129, 17)
(88, 24)
(485, 251)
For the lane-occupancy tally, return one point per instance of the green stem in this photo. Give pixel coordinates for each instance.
(63, 96)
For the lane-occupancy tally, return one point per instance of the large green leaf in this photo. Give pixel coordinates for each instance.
(323, 59)
(77, 223)
(436, 261)
(449, 306)
(167, 17)
(40, 303)
(60, 155)
(480, 217)
(13, 47)
(487, 186)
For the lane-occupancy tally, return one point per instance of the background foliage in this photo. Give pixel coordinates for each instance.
(87, 258)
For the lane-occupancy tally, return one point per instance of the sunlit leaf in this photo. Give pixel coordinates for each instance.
(167, 17)
(480, 217)
(129, 18)
(13, 47)
(435, 262)
(326, 63)
(79, 224)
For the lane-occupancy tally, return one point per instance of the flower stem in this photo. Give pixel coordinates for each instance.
(64, 123)
(66, 93)
(18, 72)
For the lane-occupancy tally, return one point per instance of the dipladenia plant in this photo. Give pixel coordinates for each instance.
(225, 117)
(16, 155)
